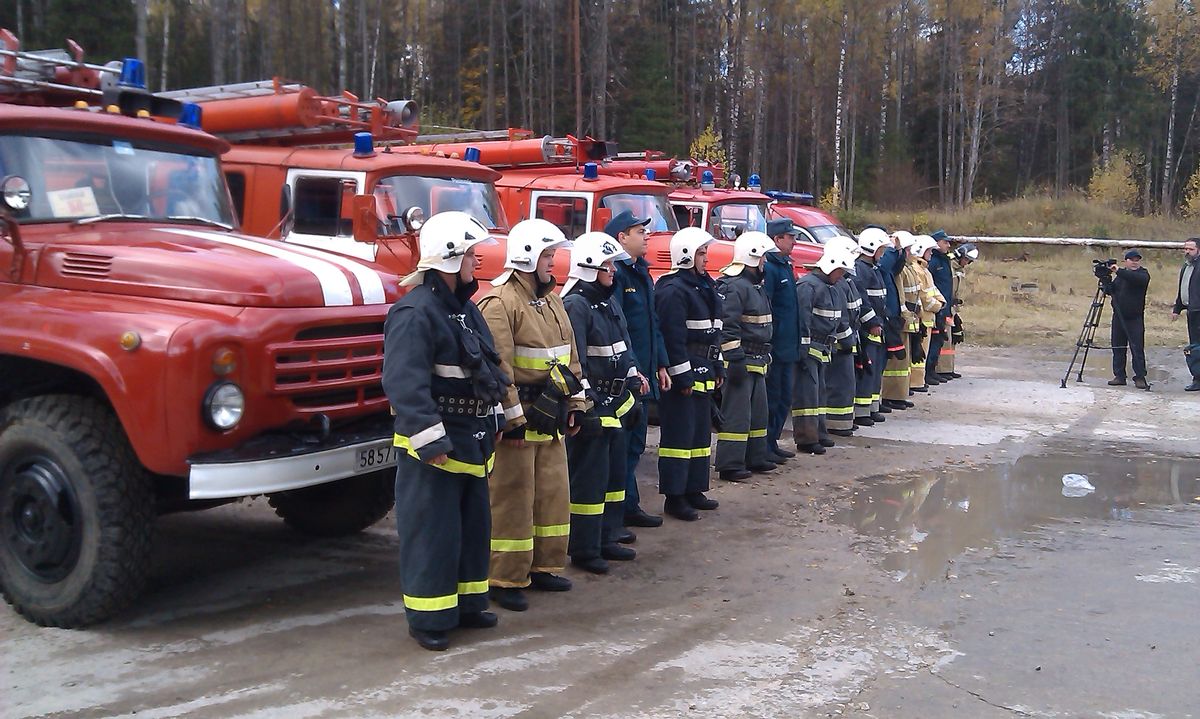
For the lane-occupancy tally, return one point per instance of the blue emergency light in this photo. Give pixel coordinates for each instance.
(706, 180)
(754, 183)
(800, 198)
(591, 171)
(133, 73)
(191, 115)
(651, 174)
(472, 154)
(364, 145)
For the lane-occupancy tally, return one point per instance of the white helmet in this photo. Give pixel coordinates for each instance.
(922, 244)
(748, 251)
(835, 256)
(846, 246)
(588, 254)
(871, 239)
(968, 252)
(906, 238)
(443, 241)
(527, 240)
(685, 244)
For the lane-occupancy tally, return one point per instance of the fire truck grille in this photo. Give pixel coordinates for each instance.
(83, 264)
(333, 369)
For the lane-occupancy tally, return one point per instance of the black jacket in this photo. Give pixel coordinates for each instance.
(820, 311)
(1193, 287)
(747, 327)
(1128, 290)
(690, 317)
(602, 338)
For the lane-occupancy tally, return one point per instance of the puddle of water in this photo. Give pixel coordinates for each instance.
(921, 521)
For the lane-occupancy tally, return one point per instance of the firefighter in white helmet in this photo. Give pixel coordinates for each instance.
(872, 242)
(894, 267)
(689, 315)
(596, 456)
(530, 497)
(930, 303)
(848, 351)
(746, 330)
(819, 310)
(962, 256)
(442, 376)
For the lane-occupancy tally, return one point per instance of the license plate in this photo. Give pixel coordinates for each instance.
(380, 455)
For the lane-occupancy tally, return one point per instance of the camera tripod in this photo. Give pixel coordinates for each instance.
(1087, 335)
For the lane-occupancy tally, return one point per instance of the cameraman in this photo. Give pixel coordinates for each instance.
(1127, 286)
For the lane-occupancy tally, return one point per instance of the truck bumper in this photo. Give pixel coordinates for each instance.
(278, 463)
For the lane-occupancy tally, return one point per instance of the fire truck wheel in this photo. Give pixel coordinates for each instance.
(76, 512)
(338, 508)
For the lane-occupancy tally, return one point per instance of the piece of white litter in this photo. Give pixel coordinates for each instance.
(1076, 485)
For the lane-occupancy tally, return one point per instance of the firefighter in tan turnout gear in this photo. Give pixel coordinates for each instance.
(531, 518)
(742, 446)
(931, 302)
(443, 379)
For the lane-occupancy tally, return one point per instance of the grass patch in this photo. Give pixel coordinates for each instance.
(1072, 216)
(997, 312)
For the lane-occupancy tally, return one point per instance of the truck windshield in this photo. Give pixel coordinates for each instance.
(824, 233)
(732, 219)
(399, 193)
(655, 207)
(76, 178)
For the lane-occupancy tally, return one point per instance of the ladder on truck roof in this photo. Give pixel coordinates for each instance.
(279, 112)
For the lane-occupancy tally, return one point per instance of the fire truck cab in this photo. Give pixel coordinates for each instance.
(816, 225)
(152, 358)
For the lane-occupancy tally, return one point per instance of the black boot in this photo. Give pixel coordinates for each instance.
(785, 453)
(699, 501)
(617, 553)
(511, 598)
(878, 417)
(764, 468)
(624, 536)
(595, 565)
(547, 582)
(895, 404)
(811, 448)
(734, 475)
(639, 518)
(477, 620)
(1140, 383)
(884, 408)
(678, 507)
(864, 421)
(432, 639)
(839, 433)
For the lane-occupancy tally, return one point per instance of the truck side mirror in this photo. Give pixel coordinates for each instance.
(601, 219)
(366, 218)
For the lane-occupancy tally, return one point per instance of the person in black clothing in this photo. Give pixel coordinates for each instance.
(1189, 292)
(1127, 286)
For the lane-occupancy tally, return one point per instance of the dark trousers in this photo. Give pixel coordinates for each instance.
(1129, 332)
(742, 441)
(596, 466)
(936, 340)
(635, 444)
(808, 401)
(685, 442)
(781, 377)
(869, 380)
(445, 529)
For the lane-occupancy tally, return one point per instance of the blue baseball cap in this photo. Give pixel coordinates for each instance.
(939, 235)
(622, 221)
(781, 226)
(1133, 254)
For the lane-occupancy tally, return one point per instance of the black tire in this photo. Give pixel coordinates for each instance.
(76, 512)
(335, 509)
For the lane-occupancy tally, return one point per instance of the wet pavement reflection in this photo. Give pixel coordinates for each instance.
(921, 521)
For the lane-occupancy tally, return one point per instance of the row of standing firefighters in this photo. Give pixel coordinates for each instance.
(519, 422)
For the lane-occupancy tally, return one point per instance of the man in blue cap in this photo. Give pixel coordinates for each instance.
(943, 279)
(633, 293)
(1127, 286)
(779, 283)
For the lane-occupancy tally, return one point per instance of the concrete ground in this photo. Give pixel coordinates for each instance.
(933, 566)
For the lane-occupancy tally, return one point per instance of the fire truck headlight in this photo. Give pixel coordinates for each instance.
(224, 405)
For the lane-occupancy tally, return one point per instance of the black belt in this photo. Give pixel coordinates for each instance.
(463, 406)
(711, 352)
(530, 392)
(756, 348)
(614, 387)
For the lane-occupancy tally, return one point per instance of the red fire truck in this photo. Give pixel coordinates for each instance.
(816, 225)
(153, 359)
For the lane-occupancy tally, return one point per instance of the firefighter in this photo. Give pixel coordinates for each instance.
(930, 304)
(840, 378)
(912, 278)
(963, 256)
(742, 446)
(896, 371)
(633, 292)
(943, 279)
(596, 456)
(689, 315)
(529, 489)
(868, 278)
(818, 314)
(443, 378)
(779, 283)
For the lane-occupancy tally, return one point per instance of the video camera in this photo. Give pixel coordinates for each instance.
(1103, 268)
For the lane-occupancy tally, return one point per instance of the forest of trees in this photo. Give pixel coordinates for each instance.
(890, 104)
